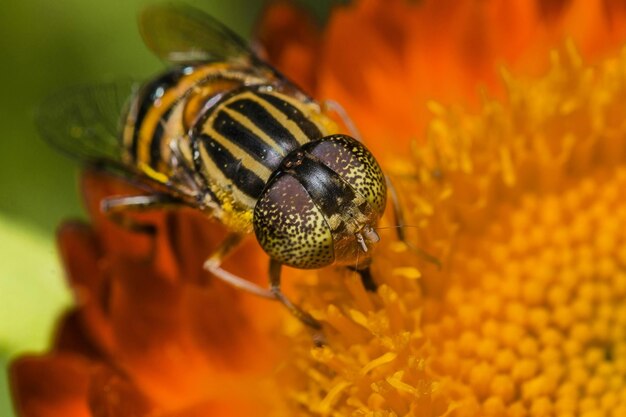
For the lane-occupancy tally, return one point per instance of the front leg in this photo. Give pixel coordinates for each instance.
(213, 265)
(331, 106)
(366, 278)
(303, 316)
(398, 215)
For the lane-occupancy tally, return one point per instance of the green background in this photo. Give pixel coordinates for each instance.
(45, 46)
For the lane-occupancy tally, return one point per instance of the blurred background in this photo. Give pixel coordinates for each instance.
(46, 46)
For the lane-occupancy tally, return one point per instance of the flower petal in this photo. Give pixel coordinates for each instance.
(71, 337)
(112, 395)
(50, 386)
(81, 253)
(291, 41)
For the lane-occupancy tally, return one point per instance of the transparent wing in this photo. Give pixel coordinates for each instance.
(85, 121)
(179, 33)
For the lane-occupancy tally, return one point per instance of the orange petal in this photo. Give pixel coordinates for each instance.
(82, 256)
(112, 395)
(185, 343)
(50, 386)
(115, 239)
(71, 337)
(226, 406)
(290, 40)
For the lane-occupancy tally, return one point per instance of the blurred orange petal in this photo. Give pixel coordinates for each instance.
(290, 39)
(51, 386)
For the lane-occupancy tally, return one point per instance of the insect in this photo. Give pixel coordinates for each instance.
(225, 133)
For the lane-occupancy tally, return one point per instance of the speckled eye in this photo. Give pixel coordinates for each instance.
(290, 227)
(355, 165)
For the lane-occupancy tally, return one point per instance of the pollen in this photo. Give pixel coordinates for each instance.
(540, 323)
(522, 205)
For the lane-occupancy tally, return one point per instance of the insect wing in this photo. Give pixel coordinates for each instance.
(181, 34)
(85, 121)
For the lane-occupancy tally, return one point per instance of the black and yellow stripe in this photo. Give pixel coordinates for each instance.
(159, 112)
(235, 127)
(243, 140)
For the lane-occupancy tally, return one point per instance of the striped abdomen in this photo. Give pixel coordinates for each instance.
(235, 129)
(243, 140)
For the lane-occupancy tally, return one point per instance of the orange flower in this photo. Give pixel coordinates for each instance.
(520, 203)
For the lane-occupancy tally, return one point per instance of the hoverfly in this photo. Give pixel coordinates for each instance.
(225, 133)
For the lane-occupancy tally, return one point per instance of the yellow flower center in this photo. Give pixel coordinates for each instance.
(523, 205)
(535, 323)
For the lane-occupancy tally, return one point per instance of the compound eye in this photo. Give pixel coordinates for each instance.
(356, 165)
(290, 227)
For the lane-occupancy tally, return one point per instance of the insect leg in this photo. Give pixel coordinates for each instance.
(213, 265)
(366, 277)
(398, 215)
(116, 207)
(331, 106)
(300, 314)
